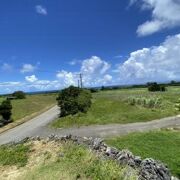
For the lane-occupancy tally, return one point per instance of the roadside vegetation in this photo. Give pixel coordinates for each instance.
(14, 155)
(65, 160)
(161, 145)
(113, 106)
(5, 112)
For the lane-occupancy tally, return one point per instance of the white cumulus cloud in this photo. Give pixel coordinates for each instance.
(94, 70)
(158, 63)
(27, 68)
(165, 14)
(31, 79)
(41, 10)
(67, 78)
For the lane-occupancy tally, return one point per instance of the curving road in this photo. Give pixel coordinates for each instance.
(38, 127)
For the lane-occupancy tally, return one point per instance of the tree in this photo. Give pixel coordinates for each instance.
(19, 95)
(73, 100)
(5, 110)
(155, 87)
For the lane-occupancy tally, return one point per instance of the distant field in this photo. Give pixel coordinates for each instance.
(161, 145)
(32, 104)
(111, 107)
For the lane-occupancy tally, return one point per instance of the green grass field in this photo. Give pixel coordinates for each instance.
(111, 107)
(161, 145)
(32, 104)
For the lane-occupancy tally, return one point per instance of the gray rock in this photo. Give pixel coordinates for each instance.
(111, 151)
(97, 142)
(125, 157)
(153, 170)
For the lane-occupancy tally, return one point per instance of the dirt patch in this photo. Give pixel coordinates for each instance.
(41, 152)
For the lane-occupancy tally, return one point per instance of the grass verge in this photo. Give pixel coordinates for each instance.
(32, 104)
(66, 160)
(14, 155)
(161, 145)
(111, 107)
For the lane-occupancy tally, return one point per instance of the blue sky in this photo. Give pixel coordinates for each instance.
(44, 44)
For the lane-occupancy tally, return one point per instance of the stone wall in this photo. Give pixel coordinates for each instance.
(148, 169)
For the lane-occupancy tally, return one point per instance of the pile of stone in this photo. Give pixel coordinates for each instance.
(148, 169)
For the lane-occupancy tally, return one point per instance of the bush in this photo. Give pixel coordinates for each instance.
(19, 95)
(93, 90)
(145, 102)
(73, 100)
(177, 105)
(156, 87)
(5, 110)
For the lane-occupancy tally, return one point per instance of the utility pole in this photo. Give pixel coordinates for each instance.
(80, 76)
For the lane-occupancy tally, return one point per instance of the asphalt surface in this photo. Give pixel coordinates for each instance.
(30, 128)
(38, 127)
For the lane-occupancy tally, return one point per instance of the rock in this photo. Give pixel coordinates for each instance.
(153, 170)
(97, 142)
(111, 151)
(137, 160)
(125, 157)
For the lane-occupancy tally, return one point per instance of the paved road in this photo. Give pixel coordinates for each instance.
(29, 128)
(38, 127)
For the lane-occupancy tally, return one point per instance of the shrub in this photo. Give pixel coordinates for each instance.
(73, 100)
(156, 87)
(5, 110)
(177, 105)
(145, 102)
(19, 95)
(93, 90)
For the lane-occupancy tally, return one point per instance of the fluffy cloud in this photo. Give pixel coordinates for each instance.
(41, 10)
(27, 68)
(165, 14)
(95, 71)
(31, 79)
(67, 78)
(158, 63)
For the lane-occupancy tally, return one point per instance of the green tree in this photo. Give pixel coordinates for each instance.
(5, 110)
(155, 87)
(19, 95)
(73, 100)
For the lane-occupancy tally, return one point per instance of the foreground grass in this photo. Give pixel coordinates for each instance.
(53, 160)
(110, 107)
(14, 155)
(161, 145)
(77, 163)
(32, 104)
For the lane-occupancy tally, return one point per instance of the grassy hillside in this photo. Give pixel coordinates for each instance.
(32, 104)
(112, 107)
(53, 161)
(161, 145)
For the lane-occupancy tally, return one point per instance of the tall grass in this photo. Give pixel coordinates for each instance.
(151, 102)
